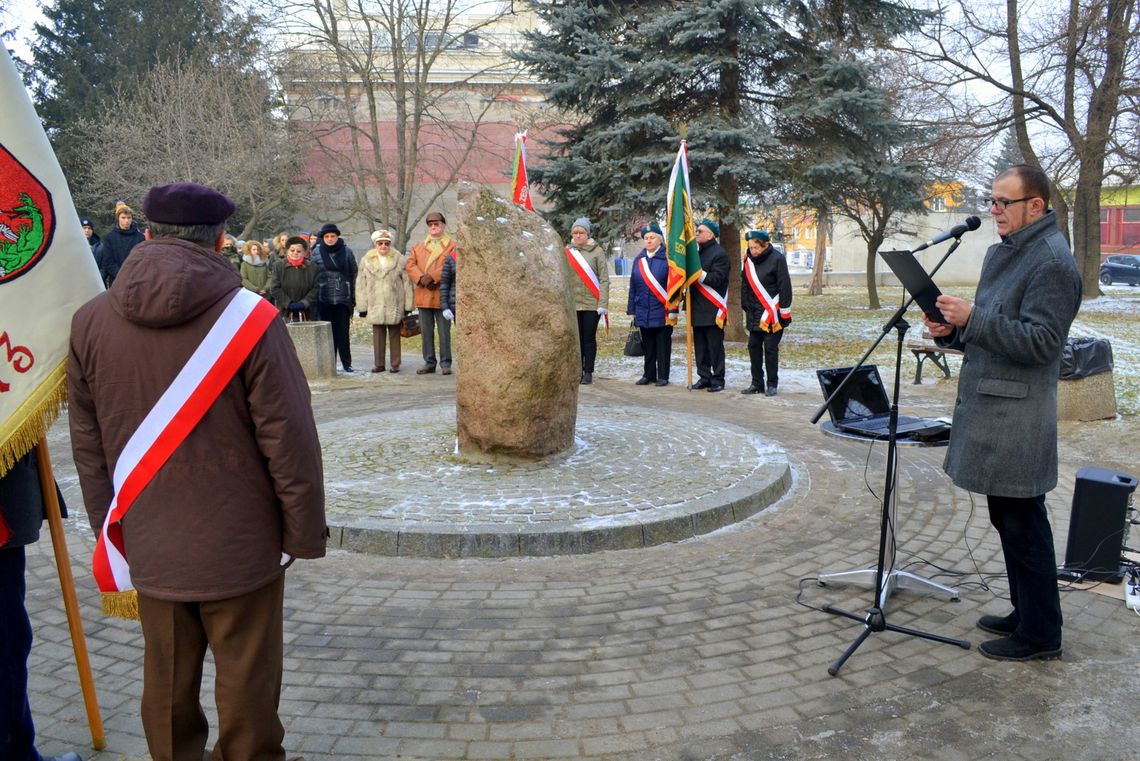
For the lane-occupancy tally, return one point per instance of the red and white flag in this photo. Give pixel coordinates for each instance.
(520, 187)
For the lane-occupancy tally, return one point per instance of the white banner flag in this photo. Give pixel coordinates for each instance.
(46, 273)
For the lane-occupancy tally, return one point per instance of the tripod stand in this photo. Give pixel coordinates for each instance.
(875, 618)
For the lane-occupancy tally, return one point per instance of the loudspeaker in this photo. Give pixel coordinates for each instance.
(1097, 524)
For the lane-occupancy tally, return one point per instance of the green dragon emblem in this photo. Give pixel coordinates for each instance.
(18, 248)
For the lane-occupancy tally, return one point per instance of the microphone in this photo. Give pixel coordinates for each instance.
(957, 231)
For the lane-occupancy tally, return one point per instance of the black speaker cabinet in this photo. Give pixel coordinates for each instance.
(1097, 524)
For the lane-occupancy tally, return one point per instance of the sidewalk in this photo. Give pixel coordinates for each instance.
(695, 650)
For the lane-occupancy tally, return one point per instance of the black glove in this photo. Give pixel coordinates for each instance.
(364, 313)
(296, 306)
(785, 321)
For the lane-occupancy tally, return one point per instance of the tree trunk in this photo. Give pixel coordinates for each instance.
(822, 220)
(873, 246)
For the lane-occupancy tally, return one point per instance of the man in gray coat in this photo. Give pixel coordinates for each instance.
(1004, 442)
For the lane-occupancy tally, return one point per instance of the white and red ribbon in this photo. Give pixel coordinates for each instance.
(657, 289)
(579, 264)
(200, 382)
(770, 303)
(719, 301)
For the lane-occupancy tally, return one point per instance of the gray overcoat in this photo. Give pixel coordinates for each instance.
(1004, 440)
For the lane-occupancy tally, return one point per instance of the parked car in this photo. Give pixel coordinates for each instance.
(1122, 268)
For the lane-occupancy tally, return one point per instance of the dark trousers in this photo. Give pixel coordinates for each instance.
(588, 338)
(430, 320)
(708, 343)
(1031, 565)
(17, 732)
(245, 635)
(338, 315)
(658, 343)
(382, 334)
(764, 351)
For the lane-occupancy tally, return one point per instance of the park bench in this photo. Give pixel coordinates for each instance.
(928, 350)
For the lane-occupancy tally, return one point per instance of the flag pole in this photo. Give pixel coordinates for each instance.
(689, 335)
(67, 587)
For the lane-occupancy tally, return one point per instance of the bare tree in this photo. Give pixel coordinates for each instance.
(401, 97)
(194, 122)
(1063, 76)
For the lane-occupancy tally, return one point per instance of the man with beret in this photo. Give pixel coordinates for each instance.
(239, 497)
(21, 513)
(710, 307)
(118, 243)
(425, 268)
(337, 268)
(766, 298)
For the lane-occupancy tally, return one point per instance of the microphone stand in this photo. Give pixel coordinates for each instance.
(875, 618)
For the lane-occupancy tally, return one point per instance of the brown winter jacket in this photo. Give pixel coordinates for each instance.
(427, 297)
(246, 484)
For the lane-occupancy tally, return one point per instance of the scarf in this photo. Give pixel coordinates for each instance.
(327, 253)
(436, 247)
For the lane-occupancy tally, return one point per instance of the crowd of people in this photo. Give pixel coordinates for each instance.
(264, 506)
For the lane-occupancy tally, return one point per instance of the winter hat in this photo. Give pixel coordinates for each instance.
(757, 235)
(652, 228)
(184, 203)
(583, 223)
(328, 228)
(380, 235)
(435, 216)
(121, 208)
(713, 227)
(85, 222)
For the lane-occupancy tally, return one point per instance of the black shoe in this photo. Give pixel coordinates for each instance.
(445, 369)
(999, 625)
(643, 381)
(426, 370)
(702, 383)
(587, 379)
(662, 382)
(753, 389)
(771, 391)
(347, 368)
(1013, 648)
(714, 389)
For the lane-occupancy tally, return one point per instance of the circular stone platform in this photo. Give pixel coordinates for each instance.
(635, 477)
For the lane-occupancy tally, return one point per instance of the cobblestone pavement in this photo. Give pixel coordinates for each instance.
(688, 651)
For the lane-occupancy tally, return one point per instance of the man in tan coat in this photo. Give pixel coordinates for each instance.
(425, 268)
(209, 537)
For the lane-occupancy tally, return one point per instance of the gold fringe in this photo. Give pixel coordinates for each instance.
(36, 415)
(121, 604)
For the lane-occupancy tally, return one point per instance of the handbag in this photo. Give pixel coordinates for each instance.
(633, 347)
(410, 325)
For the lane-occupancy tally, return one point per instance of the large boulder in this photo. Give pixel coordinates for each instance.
(516, 395)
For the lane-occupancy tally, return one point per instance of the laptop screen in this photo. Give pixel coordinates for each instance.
(862, 397)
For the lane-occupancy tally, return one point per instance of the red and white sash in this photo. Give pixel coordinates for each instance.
(579, 264)
(655, 287)
(770, 320)
(719, 301)
(200, 382)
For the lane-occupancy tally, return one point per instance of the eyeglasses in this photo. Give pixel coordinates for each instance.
(1003, 204)
(383, 243)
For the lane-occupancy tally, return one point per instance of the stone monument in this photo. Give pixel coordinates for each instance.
(516, 390)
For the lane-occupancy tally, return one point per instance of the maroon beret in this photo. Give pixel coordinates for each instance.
(186, 203)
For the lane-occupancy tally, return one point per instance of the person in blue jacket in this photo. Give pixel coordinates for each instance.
(647, 304)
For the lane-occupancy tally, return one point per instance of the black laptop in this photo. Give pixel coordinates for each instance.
(863, 407)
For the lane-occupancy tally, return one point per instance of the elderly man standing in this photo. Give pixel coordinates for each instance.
(710, 307)
(205, 535)
(425, 268)
(1004, 442)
